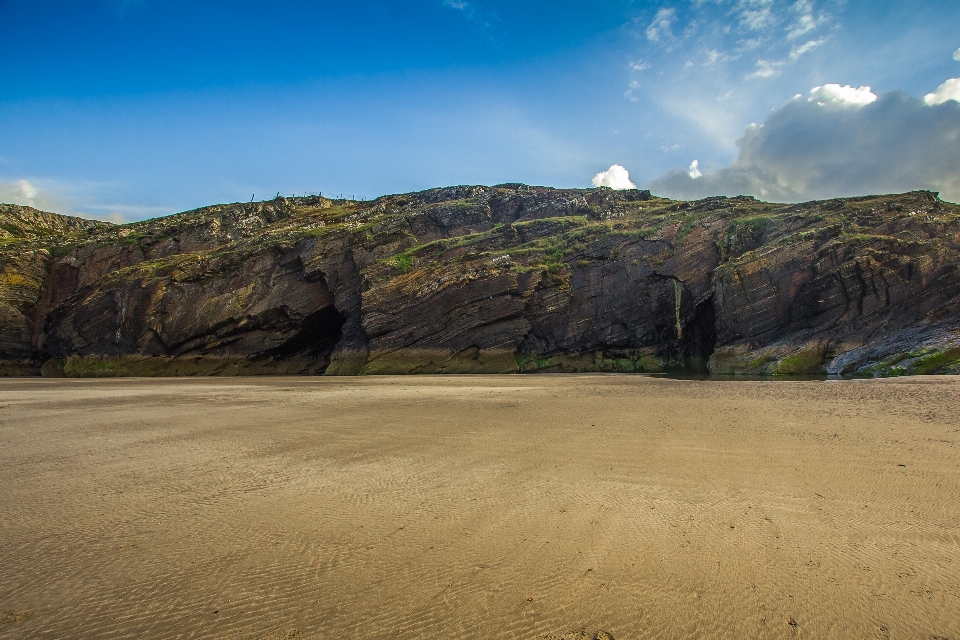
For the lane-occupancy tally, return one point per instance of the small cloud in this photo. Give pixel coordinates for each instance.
(755, 15)
(809, 45)
(846, 96)
(123, 213)
(616, 177)
(670, 149)
(639, 65)
(949, 90)
(765, 69)
(483, 20)
(804, 25)
(714, 56)
(749, 44)
(956, 55)
(694, 170)
(26, 190)
(30, 194)
(805, 22)
(659, 29)
(757, 20)
(116, 218)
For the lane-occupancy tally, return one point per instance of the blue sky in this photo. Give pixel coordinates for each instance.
(128, 109)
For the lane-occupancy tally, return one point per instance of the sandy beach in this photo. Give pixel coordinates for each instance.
(479, 507)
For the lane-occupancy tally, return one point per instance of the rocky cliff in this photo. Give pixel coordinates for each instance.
(488, 279)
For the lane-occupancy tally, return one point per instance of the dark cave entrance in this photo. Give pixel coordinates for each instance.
(699, 338)
(317, 335)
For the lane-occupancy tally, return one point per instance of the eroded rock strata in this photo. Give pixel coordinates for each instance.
(487, 279)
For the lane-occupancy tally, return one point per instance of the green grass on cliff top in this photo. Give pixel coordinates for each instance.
(551, 243)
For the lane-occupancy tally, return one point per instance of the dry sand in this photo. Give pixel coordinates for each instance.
(479, 507)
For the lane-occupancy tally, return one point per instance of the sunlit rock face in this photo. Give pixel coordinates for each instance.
(488, 279)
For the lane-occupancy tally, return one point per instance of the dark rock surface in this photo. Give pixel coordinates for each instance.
(488, 279)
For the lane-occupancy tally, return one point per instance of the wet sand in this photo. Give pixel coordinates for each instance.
(479, 507)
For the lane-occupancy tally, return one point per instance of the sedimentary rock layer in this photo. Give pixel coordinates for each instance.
(488, 279)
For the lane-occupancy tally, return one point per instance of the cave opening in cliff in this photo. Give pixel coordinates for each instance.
(319, 332)
(699, 338)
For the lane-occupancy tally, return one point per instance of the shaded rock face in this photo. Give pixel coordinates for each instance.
(488, 279)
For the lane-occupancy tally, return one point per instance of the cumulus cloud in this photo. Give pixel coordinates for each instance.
(838, 141)
(694, 170)
(616, 177)
(949, 90)
(845, 96)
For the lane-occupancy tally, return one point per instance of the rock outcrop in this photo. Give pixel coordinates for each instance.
(488, 279)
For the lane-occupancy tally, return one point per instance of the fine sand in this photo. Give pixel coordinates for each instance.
(479, 507)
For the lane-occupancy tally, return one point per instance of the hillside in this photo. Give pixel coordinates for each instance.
(488, 279)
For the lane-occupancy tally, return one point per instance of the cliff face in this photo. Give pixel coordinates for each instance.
(488, 279)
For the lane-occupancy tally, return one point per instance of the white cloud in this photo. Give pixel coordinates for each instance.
(749, 44)
(475, 14)
(694, 170)
(949, 90)
(616, 177)
(806, 21)
(27, 190)
(74, 199)
(755, 15)
(639, 65)
(809, 45)
(804, 25)
(714, 56)
(757, 19)
(121, 213)
(846, 96)
(840, 141)
(956, 55)
(765, 69)
(30, 194)
(660, 29)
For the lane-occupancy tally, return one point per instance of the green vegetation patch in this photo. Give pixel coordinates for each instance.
(89, 366)
(947, 360)
(807, 361)
(402, 262)
(755, 226)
